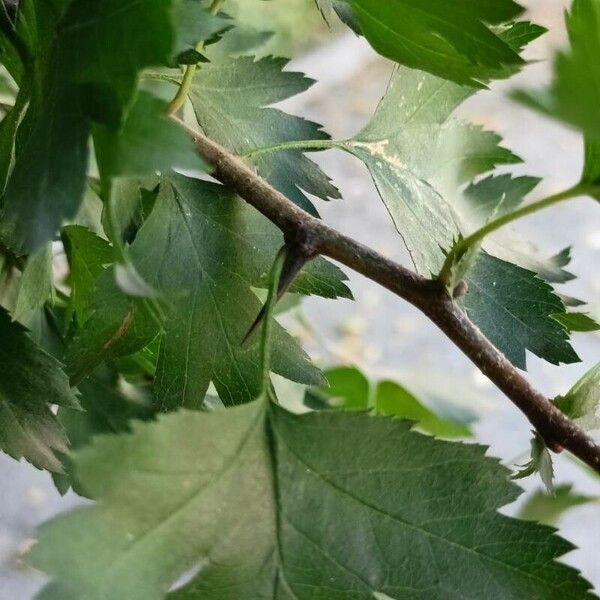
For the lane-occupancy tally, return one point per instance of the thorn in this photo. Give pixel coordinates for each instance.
(295, 258)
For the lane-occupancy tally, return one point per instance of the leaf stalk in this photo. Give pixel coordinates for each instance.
(188, 77)
(464, 245)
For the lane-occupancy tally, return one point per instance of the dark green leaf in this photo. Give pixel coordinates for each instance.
(326, 505)
(195, 23)
(515, 309)
(231, 100)
(204, 249)
(106, 409)
(453, 41)
(117, 325)
(30, 382)
(148, 142)
(86, 71)
(88, 256)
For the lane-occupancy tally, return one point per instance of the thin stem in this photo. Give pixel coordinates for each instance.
(188, 77)
(184, 89)
(265, 342)
(300, 144)
(464, 245)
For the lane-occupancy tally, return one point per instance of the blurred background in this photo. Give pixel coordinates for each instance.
(383, 336)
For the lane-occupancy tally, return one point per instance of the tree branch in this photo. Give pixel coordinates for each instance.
(429, 296)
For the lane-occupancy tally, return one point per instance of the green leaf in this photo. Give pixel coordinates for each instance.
(86, 71)
(88, 256)
(392, 399)
(516, 311)
(30, 382)
(574, 95)
(453, 41)
(203, 249)
(36, 286)
(148, 142)
(342, 9)
(577, 322)
(107, 408)
(348, 388)
(495, 196)
(284, 506)
(582, 402)
(591, 166)
(549, 508)
(8, 134)
(540, 462)
(130, 202)
(195, 22)
(117, 325)
(416, 154)
(231, 100)
(47, 183)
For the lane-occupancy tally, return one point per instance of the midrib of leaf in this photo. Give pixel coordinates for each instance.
(213, 299)
(347, 494)
(280, 566)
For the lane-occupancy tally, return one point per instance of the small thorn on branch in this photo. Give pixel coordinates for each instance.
(297, 254)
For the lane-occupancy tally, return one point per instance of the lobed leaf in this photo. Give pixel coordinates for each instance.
(30, 382)
(204, 249)
(286, 506)
(454, 41)
(232, 99)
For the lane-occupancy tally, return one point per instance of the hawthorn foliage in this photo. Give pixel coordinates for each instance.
(136, 376)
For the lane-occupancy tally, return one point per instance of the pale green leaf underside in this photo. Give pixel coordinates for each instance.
(582, 402)
(418, 157)
(296, 507)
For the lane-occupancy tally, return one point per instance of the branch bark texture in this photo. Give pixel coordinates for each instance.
(429, 296)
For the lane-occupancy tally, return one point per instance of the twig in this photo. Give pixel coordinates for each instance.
(429, 296)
